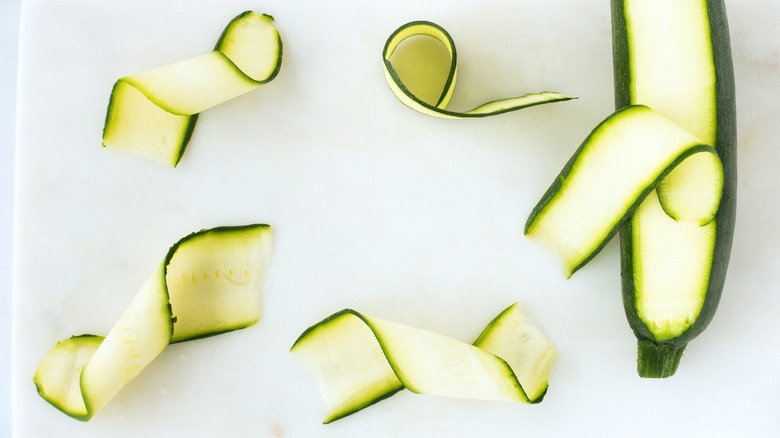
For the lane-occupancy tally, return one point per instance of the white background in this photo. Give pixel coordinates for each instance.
(449, 223)
(9, 28)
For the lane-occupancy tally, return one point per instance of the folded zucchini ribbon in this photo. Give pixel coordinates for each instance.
(360, 360)
(208, 283)
(629, 155)
(153, 113)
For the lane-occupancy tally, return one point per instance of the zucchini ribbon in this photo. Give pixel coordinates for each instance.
(208, 283)
(152, 114)
(360, 360)
(422, 94)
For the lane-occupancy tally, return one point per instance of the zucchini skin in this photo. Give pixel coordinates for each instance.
(669, 351)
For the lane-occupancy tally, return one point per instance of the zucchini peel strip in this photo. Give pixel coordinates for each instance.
(152, 114)
(209, 282)
(437, 106)
(621, 162)
(360, 359)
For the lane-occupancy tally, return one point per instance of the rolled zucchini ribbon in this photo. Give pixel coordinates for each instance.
(431, 95)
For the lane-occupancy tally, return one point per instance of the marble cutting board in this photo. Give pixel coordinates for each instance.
(374, 207)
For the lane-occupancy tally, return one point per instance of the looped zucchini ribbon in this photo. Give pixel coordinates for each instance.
(360, 360)
(425, 95)
(208, 283)
(633, 152)
(153, 114)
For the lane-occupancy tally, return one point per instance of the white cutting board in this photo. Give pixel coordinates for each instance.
(374, 207)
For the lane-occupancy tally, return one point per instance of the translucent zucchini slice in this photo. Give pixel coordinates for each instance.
(152, 114)
(360, 360)
(59, 374)
(209, 283)
(627, 156)
(423, 77)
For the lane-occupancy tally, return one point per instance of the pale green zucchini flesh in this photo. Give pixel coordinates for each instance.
(672, 72)
(672, 265)
(514, 337)
(348, 362)
(359, 360)
(209, 282)
(421, 69)
(214, 279)
(615, 168)
(58, 376)
(140, 335)
(153, 113)
(674, 56)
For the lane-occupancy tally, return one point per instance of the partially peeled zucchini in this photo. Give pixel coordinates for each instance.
(152, 114)
(640, 173)
(360, 360)
(675, 57)
(423, 78)
(209, 282)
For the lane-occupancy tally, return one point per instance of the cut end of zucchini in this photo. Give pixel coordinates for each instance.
(657, 360)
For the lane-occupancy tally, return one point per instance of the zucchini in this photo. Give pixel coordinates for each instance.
(616, 167)
(430, 75)
(152, 114)
(674, 207)
(208, 283)
(58, 375)
(675, 56)
(360, 360)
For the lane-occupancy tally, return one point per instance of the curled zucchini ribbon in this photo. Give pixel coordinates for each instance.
(360, 360)
(153, 114)
(431, 95)
(208, 283)
(631, 153)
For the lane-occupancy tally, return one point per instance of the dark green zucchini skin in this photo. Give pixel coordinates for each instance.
(660, 359)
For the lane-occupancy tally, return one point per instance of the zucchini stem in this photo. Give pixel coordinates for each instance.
(658, 360)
